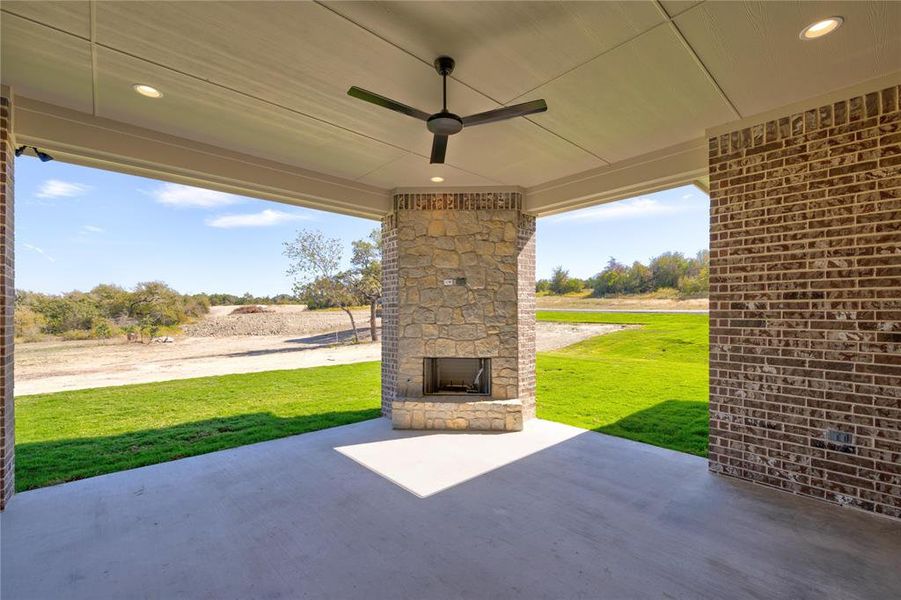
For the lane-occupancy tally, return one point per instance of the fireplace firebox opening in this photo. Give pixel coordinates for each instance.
(456, 376)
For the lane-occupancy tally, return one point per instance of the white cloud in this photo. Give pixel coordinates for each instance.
(173, 194)
(39, 251)
(687, 196)
(92, 229)
(624, 209)
(54, 188)
(265, 218)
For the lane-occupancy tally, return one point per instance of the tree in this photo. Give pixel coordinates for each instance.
(696, 281)
(315, 267)
(667, 268)
(367, 260)
(639, 279)
(559, 277)
(153, 303)
(612, 280)
(112, 300)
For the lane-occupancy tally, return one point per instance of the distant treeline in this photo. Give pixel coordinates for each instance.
(106, 311)
(151, 308)
(690, 276)
(248, 298)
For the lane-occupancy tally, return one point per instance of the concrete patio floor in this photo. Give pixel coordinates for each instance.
(574, 515)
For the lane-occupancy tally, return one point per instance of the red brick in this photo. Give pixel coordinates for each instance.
(805, 303)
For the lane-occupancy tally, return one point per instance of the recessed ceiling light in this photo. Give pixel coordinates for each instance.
(147, 90)
(821, 28)
(437, 179)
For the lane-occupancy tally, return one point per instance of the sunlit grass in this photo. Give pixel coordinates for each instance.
(71, 435)
(648, 384)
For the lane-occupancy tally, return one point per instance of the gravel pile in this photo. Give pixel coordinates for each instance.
(275, 323)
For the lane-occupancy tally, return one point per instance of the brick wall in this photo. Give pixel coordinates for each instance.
(7, 304)
(805, 303)
(526, 313)
(389, 312)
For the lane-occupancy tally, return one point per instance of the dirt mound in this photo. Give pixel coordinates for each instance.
(250, 309)
(274, 322)
(225, 309)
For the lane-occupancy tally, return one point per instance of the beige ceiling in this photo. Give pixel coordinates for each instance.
(269, 79)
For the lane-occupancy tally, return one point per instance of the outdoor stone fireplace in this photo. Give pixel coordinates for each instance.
(458, 316)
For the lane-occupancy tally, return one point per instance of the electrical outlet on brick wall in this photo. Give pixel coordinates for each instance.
(839, 437)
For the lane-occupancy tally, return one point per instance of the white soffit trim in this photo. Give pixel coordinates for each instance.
(79, 138)
(866, 87)
(683, 164)
(464, 189)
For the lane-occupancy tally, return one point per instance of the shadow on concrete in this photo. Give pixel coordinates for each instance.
(39, 464)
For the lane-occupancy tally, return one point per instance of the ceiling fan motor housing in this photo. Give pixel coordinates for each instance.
(445, 123)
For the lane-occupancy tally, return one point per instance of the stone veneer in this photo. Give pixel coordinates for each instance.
(805, 302)
(7, 304)
(484, 238)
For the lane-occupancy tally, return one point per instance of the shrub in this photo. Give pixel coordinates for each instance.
(76, 335)
(105, 309)
(698, 285)
(29, 324)
(102, 328)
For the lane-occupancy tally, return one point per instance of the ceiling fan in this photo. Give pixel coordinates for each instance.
(445, 123)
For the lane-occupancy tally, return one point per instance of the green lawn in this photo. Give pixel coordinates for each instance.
(647, 384)
(72, 435)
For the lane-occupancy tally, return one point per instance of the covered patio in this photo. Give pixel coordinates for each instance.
(565, 513)
(786, 113)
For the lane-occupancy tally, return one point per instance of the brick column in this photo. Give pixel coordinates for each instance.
(525, 273)
(805, 303)
(7, 303)
(389, 312)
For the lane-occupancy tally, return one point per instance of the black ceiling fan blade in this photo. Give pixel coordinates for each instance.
(507, 112)
(439, 149)
(388, 103)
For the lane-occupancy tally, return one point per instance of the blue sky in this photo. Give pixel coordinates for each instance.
(77, 227)
(628, 230)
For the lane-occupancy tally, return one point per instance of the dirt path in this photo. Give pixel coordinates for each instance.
(56, 366)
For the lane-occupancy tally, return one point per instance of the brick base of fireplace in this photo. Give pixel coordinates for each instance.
(458, 413)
